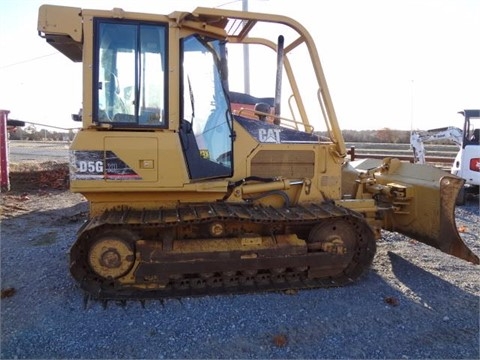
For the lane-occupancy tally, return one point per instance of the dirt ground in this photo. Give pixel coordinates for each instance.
(31, 175)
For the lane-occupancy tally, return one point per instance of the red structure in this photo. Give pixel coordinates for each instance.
(4, 176)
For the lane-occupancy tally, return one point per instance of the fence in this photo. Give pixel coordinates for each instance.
(439, 155)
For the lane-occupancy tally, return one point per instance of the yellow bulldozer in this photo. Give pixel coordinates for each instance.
(196, 187)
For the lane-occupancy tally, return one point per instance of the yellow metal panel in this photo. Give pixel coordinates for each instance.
(285, 163)
(140, 151)
(61, 20)
(62, 28)
(173, 78)
(134, 150)
(87, 114)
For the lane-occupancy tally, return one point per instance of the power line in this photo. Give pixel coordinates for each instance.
(228, 3)
(27, 60)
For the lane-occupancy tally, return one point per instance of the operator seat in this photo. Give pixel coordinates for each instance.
(198, 166)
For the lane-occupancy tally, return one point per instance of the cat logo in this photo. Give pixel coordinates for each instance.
(269, 135)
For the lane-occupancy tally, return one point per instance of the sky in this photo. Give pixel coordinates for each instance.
(398, 64)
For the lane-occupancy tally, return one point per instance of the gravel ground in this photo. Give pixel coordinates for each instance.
(415, 302)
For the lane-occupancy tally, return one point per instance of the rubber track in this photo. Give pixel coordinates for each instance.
(220, 283)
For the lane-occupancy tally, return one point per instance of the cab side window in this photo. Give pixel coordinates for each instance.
(130, 79)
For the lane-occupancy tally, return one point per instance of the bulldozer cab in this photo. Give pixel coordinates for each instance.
(144, 70)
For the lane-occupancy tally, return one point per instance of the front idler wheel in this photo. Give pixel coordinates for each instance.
(112, 254)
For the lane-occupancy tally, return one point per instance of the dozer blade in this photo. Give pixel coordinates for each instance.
(424, 205)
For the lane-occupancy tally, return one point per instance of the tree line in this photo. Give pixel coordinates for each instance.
(384, 135)
(32, 133)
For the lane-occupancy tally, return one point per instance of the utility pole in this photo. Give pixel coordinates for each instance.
(246, 58)
(4, 165)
